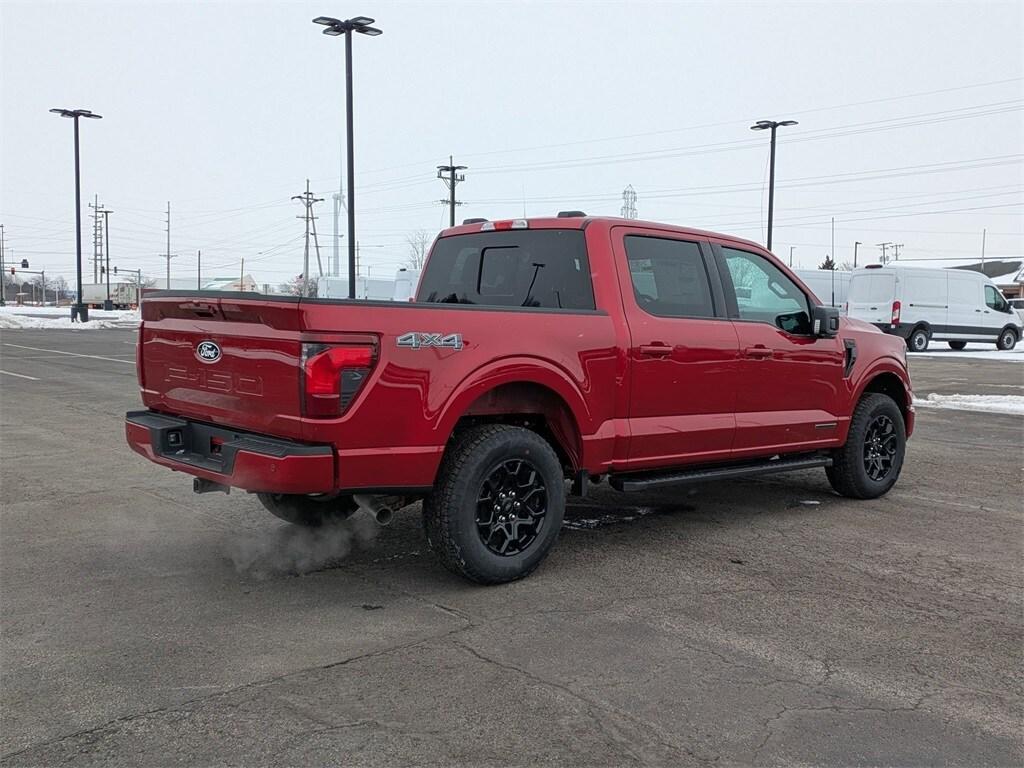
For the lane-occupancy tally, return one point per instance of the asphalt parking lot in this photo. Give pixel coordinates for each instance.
(766, 621)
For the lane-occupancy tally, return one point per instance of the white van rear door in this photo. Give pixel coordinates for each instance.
(871, 296)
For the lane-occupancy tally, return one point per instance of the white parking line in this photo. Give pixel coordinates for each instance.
(70, 354)
(19, 375)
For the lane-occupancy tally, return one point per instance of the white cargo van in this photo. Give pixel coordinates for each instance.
(921, 304)
(831, 286)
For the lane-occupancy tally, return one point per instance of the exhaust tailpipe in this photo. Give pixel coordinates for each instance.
(381, 508)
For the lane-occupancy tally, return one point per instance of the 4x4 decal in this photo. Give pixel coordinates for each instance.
(416, 340)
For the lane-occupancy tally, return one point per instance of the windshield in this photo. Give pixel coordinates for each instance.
(520, 268)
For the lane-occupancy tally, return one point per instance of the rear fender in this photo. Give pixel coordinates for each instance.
(510, 382)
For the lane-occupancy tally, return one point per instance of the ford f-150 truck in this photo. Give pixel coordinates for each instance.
(539, 355)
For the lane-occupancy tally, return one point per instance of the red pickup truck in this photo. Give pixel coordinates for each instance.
(538, 356)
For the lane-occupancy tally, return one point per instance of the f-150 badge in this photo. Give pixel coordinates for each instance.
(416, 340)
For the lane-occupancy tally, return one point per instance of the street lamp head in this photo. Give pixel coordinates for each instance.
(360, 21)
(76, 113)
(761, 125)
(789, 122)
(327, 21)
(371, 31)
(334, 31)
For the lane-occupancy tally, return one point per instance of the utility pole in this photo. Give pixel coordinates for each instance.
(241, 276)
(199, 270)
(307, 200)
(628, 202)
(169, 257)
(104, 269)
(791, 248)
(855, 253)
(451, 177)
(983, 233)
(97, 237)
(896, 247)
(3, 285)
(883, 246)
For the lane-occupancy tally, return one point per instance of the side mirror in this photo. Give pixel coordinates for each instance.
(825, 322)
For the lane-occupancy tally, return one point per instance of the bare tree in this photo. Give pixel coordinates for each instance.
(294, 286)
(419, 242)
(846, 266)
(827, 263)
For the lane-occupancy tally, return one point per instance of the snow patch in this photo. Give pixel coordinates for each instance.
(974, 351)
(991, 403)
(36, 318)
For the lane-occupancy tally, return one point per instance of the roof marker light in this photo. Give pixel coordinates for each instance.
(499, 226)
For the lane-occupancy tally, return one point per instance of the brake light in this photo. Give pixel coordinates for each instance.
(500, 226)
(895, 313)
(332, 376)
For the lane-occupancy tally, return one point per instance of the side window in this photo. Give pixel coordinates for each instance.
(669, 277)
(765, 294)
(994, 299)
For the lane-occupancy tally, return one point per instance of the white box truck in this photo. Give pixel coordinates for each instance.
(921, 304)
(122, 295)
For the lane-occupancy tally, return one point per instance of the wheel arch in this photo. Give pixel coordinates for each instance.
(887, 381)
(541, 398)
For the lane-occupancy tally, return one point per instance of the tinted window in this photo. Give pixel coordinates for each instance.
(669, 278)
(765, 294)
(522, 268)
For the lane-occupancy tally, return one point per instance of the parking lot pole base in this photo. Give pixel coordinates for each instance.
(108, 305)
(80, 313)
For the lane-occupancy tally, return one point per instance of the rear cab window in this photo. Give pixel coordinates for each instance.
(544, 268)
(669, 277)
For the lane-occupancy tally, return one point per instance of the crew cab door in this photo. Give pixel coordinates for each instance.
(682, 351)
(790, 381)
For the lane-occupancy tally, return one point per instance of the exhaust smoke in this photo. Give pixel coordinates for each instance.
(293, 549)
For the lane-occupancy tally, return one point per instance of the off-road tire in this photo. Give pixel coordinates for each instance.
(848, 474)
(1007, 339)
(450, 511)
(918, 340)
(310, 511)
(957, 345)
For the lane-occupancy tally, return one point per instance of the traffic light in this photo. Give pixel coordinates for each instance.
(24, 263)
(115, 270)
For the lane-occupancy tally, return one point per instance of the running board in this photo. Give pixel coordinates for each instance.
(649, 481)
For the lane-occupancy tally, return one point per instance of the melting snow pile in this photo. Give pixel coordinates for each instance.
(991, 403)
(23, 318)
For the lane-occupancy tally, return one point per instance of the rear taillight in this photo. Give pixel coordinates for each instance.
(895, 313)
(332, 376)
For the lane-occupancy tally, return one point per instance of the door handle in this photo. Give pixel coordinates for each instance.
(758, 353)
(655, 350)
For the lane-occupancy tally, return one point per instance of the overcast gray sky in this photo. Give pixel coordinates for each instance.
(910, 129)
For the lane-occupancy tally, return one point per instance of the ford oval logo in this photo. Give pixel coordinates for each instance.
(208, 352)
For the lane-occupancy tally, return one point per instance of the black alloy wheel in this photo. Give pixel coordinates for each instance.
(880, 445)
(511, 507)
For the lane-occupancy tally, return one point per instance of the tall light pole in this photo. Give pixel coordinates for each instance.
(336, 28)
(762, 125)
(79, 310)
(855, 246)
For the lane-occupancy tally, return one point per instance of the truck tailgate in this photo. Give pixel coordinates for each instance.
(247, 376)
